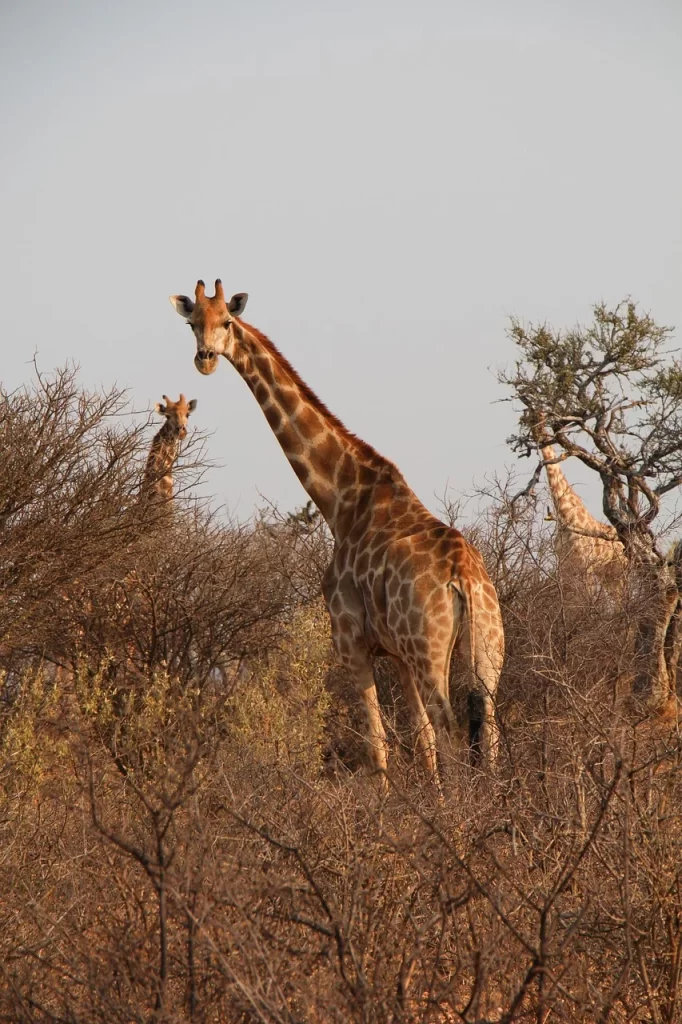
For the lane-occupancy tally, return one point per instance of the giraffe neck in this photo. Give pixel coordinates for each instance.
(335, 467)
(570, 511)
(160, 461)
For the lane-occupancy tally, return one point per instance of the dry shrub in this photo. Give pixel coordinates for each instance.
(279, 706)
(206, 885)
(69, 471)
(176, 846)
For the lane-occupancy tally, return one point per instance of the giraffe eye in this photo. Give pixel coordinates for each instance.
(227, 324)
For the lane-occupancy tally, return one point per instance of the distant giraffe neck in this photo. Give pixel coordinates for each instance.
(160, 461)
(570, 510)
(331, 463)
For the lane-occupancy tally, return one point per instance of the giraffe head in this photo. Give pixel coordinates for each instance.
(212, 321)
(538, 426)
(176, 413)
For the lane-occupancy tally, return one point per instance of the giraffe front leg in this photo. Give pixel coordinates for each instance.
(347, 614)
(374, 733)
(424, 734)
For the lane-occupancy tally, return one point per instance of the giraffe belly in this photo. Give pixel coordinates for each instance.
(408, 599)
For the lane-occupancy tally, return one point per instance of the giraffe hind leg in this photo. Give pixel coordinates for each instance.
(488, 665)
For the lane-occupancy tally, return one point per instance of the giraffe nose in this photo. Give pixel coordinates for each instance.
(205, 362)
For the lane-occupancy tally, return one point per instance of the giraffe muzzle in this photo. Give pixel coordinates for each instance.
(206, 362)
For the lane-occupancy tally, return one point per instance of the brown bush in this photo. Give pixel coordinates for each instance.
(186, 835)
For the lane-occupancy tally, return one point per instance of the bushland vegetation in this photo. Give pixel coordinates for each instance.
(187, 830)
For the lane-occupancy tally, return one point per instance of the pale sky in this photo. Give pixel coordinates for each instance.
(388, 180)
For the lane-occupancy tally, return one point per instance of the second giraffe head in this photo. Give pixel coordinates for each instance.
(177, 413)
(213, 322)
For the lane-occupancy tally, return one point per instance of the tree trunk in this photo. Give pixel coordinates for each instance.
(659, 635)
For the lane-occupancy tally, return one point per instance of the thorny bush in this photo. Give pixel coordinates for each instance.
(185, 836)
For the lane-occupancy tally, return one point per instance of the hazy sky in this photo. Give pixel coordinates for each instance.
(388, 180)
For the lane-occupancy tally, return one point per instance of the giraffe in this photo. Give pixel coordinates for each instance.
(157, 483)
(589, 547)
(400, 584)
(156, 488)
(156, 492)
(594, 550)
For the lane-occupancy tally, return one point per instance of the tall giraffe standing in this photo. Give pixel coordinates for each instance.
(157, 483)
(400, 583)
(590, 548)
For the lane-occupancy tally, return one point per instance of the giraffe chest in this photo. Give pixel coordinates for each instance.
(354, 589)
(365, 565)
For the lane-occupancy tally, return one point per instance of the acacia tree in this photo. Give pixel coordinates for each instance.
(610, 394)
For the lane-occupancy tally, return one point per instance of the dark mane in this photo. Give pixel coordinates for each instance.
(363, 449)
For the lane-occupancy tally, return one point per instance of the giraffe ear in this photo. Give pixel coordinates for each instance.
(182, 303)
(237, 303)
(160, 408)
(192, 405)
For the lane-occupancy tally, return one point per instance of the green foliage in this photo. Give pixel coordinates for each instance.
(568, 379)
(149, 728)
(30, 751)
(279, 712)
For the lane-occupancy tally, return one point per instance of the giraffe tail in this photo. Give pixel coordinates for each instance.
(462, 587)
(476, 704)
